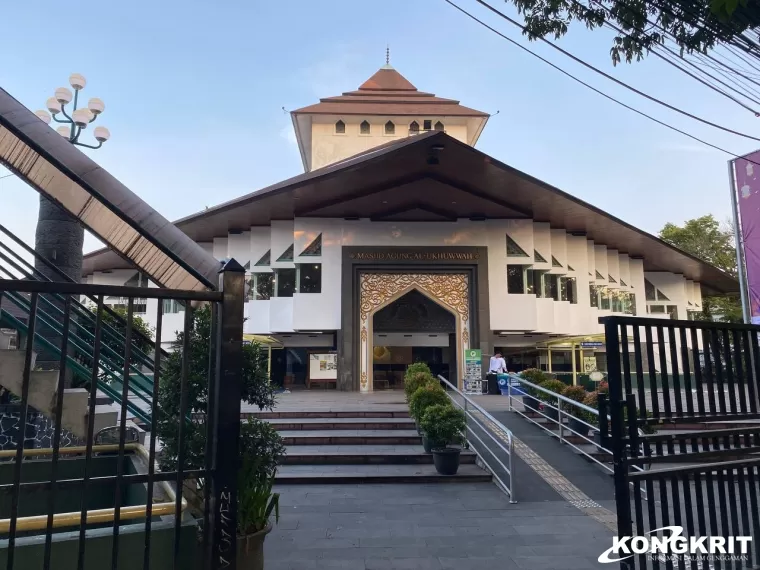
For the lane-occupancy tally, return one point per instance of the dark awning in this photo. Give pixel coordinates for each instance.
(434, 177)
(130, 227)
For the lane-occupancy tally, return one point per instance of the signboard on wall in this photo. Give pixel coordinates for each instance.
(473, 373)
(592, 344)
(589, 364)
(323, 366)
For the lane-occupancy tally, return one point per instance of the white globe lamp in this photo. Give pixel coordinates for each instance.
(53, 105)
(96, 106)
(82, 117)
(101, 134)
(44, 116)
(77, 81)
(63, 95)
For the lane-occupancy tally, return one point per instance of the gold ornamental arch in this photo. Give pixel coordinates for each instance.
(378, 290)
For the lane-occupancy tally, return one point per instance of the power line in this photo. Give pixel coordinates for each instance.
(7, 176)
(615, 79)
(571, 76)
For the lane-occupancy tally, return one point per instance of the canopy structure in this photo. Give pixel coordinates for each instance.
(433, 177)
(103, 205)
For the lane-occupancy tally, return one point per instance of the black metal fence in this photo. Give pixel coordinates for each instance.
(107, 504)
(697, 427)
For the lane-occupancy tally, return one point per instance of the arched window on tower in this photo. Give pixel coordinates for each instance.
(414, 128)
(340, 128)
(439, 126)
(390, 128)
(364, 128)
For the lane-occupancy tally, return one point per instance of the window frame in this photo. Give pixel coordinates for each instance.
(300, 280)
(336, 131)
(362, 126)
(392, 129)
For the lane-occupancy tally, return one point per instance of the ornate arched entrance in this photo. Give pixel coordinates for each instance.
(378, 290)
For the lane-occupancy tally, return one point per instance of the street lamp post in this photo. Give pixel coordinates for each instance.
(80, 118)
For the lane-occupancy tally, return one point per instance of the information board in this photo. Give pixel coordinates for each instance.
(323, 366)
(473, 372)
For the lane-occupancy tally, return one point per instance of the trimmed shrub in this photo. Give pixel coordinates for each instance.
(575, 393)
(426, 396)
(413, 369)
(556, 386)
(444, 424)
(416, 381)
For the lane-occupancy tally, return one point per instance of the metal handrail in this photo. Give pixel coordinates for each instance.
(96, 516)
(509, 489)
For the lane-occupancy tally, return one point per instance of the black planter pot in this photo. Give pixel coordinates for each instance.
(577, 426)
(530, 403)
(446, 460)
(551, 413)
(429, 444)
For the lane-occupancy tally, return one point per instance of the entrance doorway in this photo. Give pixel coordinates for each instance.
(413, 328)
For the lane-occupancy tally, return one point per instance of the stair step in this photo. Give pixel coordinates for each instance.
(342, 424)
(343, 474)
(362, 455)
(350, 437)
(265, 415)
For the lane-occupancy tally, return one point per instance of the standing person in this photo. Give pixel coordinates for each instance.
(496, 366)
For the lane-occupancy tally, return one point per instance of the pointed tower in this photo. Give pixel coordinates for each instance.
(384, 108)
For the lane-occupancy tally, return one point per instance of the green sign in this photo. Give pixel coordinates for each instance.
(472, 363)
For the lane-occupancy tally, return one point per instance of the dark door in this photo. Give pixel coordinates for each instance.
(453, 360)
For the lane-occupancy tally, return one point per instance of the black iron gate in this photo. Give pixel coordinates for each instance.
(685, 434)
(103, 502)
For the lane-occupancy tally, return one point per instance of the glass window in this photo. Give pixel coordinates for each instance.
(414, 127)
(604, 299)
(314, 248)
(310, 278)
(427, 125)
(567, 290)
(661, 296)
(593, 296)
(649, 290)
(555, 262)
(364, 128)
(514, 250)
(340, 128)
(286, 282)
(172, 306)
(537, 257)
(598, 275)
(655, 309)
(515, 279)
(390, 128)
(533, 282)
(551, 287)
(261, 286)
(672, 311)
(616, 302)
(439, 126)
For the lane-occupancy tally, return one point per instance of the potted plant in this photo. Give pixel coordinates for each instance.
(537, 377)
(445, 424)
(415, 380)
(551, 403)
(260, 445)
(425, 397)
(575, 418)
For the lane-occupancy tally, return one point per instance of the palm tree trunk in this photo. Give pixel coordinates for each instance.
(59, 239)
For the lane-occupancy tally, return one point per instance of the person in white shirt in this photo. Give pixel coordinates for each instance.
(497, 364)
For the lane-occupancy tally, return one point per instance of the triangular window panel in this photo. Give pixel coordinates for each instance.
(266, 259)
(247, 265)
(611, 279)
(555, 262)
(538, 258)
(689, 302)
(287, 255)
(570, 268)
(314, 248)
(599, 275)
(590, 274)
(623, 283)
(514, 250)
(661, 296)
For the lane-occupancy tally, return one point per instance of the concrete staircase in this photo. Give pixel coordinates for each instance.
(359, 447)
(43, 385)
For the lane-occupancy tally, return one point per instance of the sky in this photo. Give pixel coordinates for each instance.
(195, 92)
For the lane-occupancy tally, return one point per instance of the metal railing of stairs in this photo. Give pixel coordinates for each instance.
(111, 361)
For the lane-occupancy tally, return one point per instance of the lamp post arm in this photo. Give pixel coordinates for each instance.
(76, 98)
(66, 122)
(65, 114)
(88, 145)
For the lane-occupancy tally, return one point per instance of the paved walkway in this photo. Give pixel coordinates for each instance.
(430, 526)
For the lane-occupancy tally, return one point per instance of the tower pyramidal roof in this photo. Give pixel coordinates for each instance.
(388, 92)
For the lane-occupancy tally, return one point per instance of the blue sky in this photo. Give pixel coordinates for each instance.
(194, 93)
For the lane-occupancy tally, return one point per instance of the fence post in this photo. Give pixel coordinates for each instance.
(617, 435)
(226, 431)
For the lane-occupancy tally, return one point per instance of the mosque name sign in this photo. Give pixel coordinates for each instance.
(415, 256)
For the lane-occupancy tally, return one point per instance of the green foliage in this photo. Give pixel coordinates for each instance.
(592, 401)
(535, 376)
(256, 501)
(695, 25)
(415, 381)
(444, 423)
(426, 396)
(416, 367)
(256, 391)
(556, 386)
(706, 239)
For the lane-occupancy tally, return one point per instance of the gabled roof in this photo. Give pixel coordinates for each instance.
(131, 228)
(434, 177)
